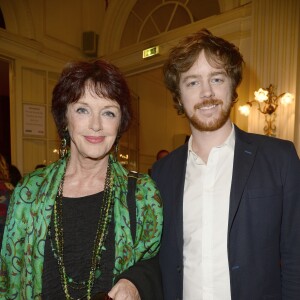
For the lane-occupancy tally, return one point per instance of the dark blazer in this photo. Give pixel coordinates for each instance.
(263, 223)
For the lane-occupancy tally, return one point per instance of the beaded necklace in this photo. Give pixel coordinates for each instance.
(102, 229)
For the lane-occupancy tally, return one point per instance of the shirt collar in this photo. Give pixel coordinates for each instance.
(230, 142)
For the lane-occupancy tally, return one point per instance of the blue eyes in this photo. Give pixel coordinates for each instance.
(81, 110)
(196, 82)
(106, 113)
(109, 114)
(217, 80)
(192, 83)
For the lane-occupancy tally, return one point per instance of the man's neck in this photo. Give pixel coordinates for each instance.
(204, 141)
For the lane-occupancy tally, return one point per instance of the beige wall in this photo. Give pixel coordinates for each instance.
(160, 126)
(42, 36)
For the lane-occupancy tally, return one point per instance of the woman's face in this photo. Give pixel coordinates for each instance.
(93, 124)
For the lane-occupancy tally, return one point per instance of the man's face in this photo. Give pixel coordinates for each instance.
(206, 95)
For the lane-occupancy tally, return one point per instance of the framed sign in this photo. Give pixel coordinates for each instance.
(34, 120)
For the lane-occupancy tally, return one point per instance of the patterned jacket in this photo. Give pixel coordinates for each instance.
(29, 214)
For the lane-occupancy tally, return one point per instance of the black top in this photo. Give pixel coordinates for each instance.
(80, 220)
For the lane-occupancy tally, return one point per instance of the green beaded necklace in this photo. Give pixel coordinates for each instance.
(102, 229)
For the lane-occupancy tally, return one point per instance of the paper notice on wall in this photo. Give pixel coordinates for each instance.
(34, 119)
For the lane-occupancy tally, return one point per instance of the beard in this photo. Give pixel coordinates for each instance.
(214, 124)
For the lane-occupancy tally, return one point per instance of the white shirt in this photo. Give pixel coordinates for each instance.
(205, 223)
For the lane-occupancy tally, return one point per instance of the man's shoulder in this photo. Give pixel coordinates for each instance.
(272, 145)
(259, 138)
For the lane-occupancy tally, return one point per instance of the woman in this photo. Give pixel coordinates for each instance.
(68, 233)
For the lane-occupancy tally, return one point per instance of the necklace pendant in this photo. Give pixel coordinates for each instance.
(97, 273)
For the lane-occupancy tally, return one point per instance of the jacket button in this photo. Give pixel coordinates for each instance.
(178, 269)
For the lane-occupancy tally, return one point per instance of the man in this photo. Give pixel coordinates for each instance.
(161, 153)
(231, 199)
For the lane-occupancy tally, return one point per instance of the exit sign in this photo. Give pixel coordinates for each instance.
(150, 52)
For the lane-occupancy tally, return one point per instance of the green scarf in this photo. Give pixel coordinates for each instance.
(29, 214)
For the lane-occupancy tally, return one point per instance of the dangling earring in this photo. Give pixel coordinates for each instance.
(63, 145)
(63, 148)
(115, 153)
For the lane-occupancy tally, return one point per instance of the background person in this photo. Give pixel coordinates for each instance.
(6, 189)
(231, 198)
(68, 233)
(15, 175)
(161, 153)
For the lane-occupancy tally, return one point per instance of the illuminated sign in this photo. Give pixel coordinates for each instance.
(150, 52)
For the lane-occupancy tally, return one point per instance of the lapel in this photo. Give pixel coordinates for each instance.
(244, 157)
(178, 171)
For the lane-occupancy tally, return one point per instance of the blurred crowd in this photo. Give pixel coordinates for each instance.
(9, 177)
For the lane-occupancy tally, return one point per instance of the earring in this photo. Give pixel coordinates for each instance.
(63, 148)
(115, 152)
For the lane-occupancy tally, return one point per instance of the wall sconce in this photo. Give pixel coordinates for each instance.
(123, 159)
(267, 103)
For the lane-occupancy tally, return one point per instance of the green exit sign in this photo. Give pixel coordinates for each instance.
(150, 52)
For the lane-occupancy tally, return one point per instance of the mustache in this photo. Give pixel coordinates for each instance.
(208, 102)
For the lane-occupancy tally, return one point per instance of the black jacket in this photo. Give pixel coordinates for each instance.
(263, 223)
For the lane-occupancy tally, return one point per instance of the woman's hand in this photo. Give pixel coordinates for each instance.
(124, 290)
